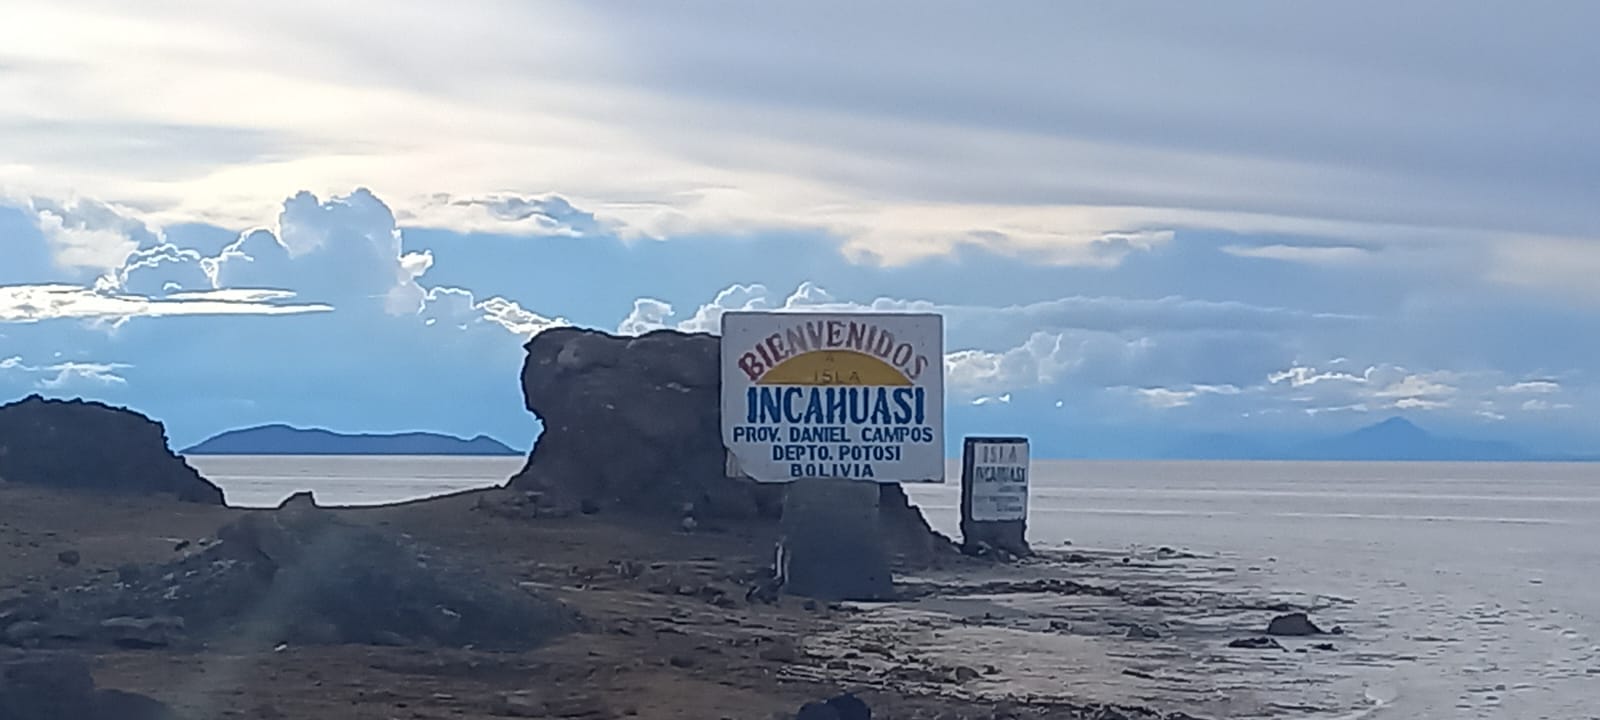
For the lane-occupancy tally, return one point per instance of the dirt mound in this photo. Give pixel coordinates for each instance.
(299, 576)
(94, 446)
(634, 423)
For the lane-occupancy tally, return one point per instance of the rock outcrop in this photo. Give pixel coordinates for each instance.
(93, 446)
(634, 423)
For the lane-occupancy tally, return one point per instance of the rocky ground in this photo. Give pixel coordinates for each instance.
(666, 627)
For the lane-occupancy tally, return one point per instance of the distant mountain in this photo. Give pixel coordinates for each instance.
(1400, 439)
(1392, 439)
(286, 440)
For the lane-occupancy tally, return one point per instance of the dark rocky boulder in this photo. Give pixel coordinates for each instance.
(1293, 625)
(634, 423)
(43, 686)
(93, 446)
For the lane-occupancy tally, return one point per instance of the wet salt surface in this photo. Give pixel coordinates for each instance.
(1471, 587)
(1468, 590)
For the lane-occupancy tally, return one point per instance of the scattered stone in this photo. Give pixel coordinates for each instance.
(69, 557)
(779, 649)
(577, 706)
(964, 674)
(1337, 630)
(139, 633)
(1143, 632)
(1256, 643)
(876, 649)
(181, 546)
(681, 661)
(1060, 626)
(518, 704)
(1293, 625)
(25, 633)
(1326, 647)
(838, 665)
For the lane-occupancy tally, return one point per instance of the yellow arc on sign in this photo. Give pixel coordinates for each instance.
(834, 367)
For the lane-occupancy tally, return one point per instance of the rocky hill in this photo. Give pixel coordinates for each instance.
(85, 445)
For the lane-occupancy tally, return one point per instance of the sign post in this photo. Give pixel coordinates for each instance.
(994, 494)
(833, 403)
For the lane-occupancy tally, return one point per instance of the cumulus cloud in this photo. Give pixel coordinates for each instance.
(158, 271)
(66, 375)
(343, 253)
(652, 314)
(1537, 387)
(456, 307)
(88, 235)
(345, 250)
(539, 215)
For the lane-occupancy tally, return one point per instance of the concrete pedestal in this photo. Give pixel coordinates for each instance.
(832, 546)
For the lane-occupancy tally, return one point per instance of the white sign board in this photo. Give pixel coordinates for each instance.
(999, 481)
(838, 395)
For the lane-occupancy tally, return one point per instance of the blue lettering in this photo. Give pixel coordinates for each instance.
(902, 402)
(860, 412)
(790, 413)
(771, 406)
(880, 408)
(837, 405)
(903, 407)
(814, 409)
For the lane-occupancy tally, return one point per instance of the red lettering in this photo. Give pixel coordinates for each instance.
(766, 354)
(797, 339)
(752, 366)
(917, 367)
(814, 334)
(775, 345)
(835, 333)
(884, 344)
(902, 354)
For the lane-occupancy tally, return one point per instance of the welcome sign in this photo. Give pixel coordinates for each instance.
(834, 395)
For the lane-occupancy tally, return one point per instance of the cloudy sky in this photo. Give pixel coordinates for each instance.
(1139, 221)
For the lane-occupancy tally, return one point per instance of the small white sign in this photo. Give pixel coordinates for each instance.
(856, 396)
(999, 481)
